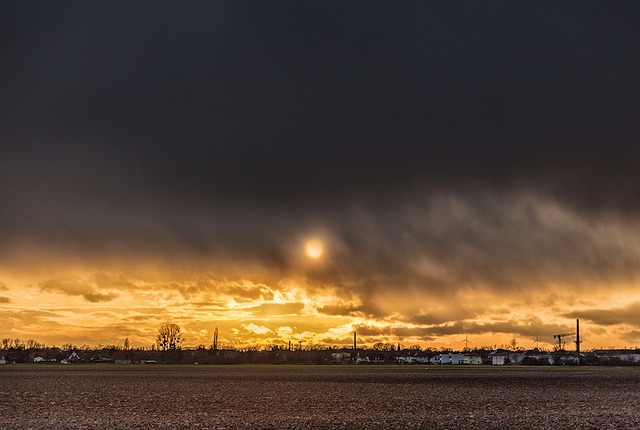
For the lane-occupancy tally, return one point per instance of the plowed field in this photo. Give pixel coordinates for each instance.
(317, 397)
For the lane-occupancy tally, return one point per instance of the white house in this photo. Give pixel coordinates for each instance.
(630, 356)
(360, 359)
(450, 358)
(499, 359)
(472, 358)
(74, 357)
(411, 357)
(340, 357)
(535, 356)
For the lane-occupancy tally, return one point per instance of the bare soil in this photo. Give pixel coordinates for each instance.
(317, 397)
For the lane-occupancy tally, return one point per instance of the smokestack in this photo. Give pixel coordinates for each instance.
(578, 339)
(355, 343)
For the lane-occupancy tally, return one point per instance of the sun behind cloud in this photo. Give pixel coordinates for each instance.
(314, 248)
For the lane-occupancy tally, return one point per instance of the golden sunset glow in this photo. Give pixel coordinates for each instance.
(314, 248)
(380, 291)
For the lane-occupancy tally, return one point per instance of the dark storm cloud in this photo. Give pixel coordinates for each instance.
(223, 130)
(527, 328)
(342, 310)
(633, 336)
(22, 320)
(435, 249)
(629, 314)
(75, 286)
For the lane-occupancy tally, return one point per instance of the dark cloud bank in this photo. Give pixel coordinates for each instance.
(435, 145)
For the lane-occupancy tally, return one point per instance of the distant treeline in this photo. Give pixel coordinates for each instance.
(278, 355)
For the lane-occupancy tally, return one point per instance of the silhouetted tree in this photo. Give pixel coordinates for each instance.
(169, 337)
(32, 344)
(513, 344)
(169, 341)
(127, 348)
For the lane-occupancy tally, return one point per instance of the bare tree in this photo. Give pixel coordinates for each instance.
(169, 337)
(32, 344)
(513, 344)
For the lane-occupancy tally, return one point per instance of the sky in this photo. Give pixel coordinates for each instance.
(461, 169)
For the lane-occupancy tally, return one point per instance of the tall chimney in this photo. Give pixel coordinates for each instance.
(355, 343)
(578, 342)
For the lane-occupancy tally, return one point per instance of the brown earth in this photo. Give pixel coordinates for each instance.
(317, 397)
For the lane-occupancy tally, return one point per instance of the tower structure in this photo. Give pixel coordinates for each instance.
(578, 341)
(215, 339)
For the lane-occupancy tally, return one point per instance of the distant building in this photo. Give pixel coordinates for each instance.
(618, 356)
(500, 357)
(361, 359)
(448, 358)
(472, 358)
(341, 357)
(120, 357)
(535, 356)
(413, 357)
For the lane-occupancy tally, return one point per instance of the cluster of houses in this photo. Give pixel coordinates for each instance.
(497, 357)
(56, 355)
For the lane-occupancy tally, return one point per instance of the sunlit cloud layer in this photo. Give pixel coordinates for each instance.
(488, 267)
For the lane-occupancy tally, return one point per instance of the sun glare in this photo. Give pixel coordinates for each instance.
(314, 248)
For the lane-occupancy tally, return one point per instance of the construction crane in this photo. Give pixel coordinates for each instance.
(560, 342)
